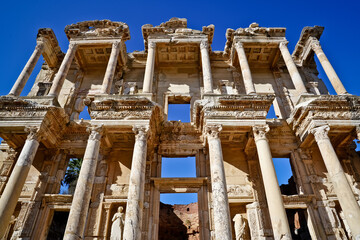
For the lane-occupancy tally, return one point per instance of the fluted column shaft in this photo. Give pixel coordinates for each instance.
(110, 69)
(293, 71)
(274, 199)
(27, 70)
(206, 67)
(329, 70)
(80, 204)
(338, 179)
(63, 70)
(135, 200)
(149, 69)
(218, 183)
(17, 179)
(245, 69)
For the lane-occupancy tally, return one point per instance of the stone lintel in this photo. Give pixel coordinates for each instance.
(52, 52)
(177, 28)
(303, 50)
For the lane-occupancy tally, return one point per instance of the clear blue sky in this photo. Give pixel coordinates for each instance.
(20, 21)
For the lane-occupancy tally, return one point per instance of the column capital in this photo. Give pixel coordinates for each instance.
(116, 44)
(315, 44)
(151, 44)
(73, 45)
(358, 132)
(33, 133)
(95, 132)
(204, 45)
(320, 133)
(283, 44)
(239, 45)
(40, 44)
(213, 130)
(260, 132)
(141, 132)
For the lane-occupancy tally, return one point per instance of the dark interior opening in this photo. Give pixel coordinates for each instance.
(298, 224)
(58, 225)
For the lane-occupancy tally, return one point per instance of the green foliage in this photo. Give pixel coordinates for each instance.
(72, 174)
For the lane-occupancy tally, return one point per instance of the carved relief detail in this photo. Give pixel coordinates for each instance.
(213, 130)
(260, 132)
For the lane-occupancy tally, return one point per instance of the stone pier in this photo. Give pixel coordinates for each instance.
(338, 179)
(135, 202)
(63, 70)
(27, 70)
(206, 67)
(14, 186)
(245, 69)
(279, 221)
(329, 70)
(220, 201)
(149, 68)
(81, 200)
(110, 69)
(291, 66)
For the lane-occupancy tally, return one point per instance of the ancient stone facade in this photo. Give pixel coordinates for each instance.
(230, 93)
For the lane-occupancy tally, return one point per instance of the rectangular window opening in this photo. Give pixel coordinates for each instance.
(58, 225)
(178, 216)
(297, 219)
(285, 176)
(178, 167)
(68, 184)
(179, 112)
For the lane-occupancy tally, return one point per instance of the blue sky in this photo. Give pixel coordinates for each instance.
(20, 20)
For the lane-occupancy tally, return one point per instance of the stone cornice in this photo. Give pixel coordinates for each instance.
(98, 29)
(323, 108)
(176, 27)
(303, 49)
(52, 52)
(254, 32)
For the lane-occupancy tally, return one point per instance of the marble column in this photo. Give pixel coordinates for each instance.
(17, 179)
(279, 221)
(245, 69)
(293, 71)
(149, 69)
(80, 204)
(135, 200)
(329, 70)
(338, 179)
(206, 67)
(63, 70)
(222, 223)
(110, 69)
(27, 70)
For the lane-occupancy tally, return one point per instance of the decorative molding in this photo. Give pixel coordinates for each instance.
(320, 133)
(141, 132)
(260, 132)
(213, 130)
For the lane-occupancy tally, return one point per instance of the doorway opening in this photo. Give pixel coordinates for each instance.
(297, 219)
(179, 216)
(58, 225)
(68, 184)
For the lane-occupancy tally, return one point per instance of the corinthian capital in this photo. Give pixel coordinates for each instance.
(260, 132)
(72, 45)
(33, 133)
(315, 44)
(320, 133)
(204, 45)
(40, 44)
(213, 130)
(239, 45)
(151, 44)
(116, 44)
(141, 132)
(283, 44)
(95, 132)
